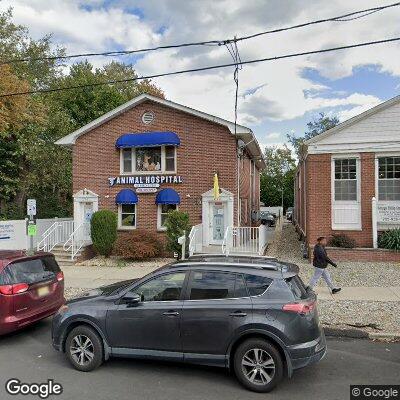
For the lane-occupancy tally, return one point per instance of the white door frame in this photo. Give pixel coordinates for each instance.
(80, 199)
(207, 202)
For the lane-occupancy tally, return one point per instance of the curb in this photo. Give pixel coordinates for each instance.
(360, 334)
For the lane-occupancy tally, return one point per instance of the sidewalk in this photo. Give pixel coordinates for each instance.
(93, 277)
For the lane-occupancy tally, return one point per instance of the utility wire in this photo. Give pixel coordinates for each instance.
(111, 82)
(340, 18)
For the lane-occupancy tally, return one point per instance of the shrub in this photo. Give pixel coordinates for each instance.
(177, 222)
(390, 239)
(138, 245)
(103, 230)
(342, 240)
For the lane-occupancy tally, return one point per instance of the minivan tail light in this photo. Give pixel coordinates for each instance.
(6, 289)
(60, 276)
(299, 308)
(17, 288)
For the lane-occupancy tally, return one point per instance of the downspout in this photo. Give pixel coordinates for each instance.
(238, 188)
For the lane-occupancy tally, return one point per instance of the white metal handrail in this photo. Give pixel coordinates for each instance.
(195, 239)
(55, 234)
(241, 239)
(78, 238)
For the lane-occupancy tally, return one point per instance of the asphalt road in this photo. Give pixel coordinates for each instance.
(29, 356)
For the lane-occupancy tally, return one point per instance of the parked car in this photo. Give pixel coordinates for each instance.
(289, 213)
(267, 218)
(250, 314)
(31, 289)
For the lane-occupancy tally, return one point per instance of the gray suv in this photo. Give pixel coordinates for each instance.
(250, 314)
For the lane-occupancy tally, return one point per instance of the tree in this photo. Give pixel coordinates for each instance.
(31, 164)
(278, 177)
(314, 128)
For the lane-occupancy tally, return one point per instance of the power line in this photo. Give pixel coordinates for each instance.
(112, 82)
(340, 18)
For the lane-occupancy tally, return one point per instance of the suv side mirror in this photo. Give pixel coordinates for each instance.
(131, 298)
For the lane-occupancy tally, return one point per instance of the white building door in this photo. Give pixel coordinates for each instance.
(217, 222)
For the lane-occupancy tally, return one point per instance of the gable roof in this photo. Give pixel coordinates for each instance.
(353, 120)
(242, 132)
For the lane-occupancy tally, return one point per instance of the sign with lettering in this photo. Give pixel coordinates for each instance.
(143, 181)
(7, 231)
(388, 213)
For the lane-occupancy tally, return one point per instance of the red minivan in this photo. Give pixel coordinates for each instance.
(31, 288)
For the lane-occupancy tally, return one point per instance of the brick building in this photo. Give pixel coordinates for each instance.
(343, 169)
(152, 155)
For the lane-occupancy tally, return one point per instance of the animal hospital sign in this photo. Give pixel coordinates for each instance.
(143, 181)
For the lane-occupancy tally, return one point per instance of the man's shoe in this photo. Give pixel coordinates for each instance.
(336, 290)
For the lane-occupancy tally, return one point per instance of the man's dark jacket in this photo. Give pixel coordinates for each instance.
(321, 259)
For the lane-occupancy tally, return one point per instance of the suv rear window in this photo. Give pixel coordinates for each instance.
(297, 287)
(212, 285)
(33, 271)
(257, 285)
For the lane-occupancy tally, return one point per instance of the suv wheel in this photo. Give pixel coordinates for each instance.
(258, 365)
(84, 349)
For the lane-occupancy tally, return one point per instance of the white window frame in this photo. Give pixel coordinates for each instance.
(159, 226)
(377, 156)
(133, 166)
(346, 203)
(126, 228)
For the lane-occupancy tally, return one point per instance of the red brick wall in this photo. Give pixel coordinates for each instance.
(205, 148)
(318, 199)
(362, 254)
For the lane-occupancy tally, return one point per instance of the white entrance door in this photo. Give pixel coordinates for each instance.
(217, 222)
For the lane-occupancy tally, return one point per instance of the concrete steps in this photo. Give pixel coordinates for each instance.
(63, 257)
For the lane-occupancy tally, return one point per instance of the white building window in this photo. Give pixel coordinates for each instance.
(145, 160)
(127, 216)
(389, 178)
(163, 210)
(346, 179)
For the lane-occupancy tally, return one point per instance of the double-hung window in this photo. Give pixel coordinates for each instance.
(346, 179)
(163, 211)
(127, 216)
(389, 178)
(156, 160)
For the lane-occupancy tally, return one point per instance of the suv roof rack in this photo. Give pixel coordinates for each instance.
(271, 266)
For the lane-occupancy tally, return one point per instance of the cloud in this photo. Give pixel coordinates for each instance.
(271, 91)
(273, 135)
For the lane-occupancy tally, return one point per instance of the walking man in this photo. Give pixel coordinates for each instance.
(320, 262)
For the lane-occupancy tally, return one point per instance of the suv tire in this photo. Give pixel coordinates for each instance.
(84, 348)
(258, 365)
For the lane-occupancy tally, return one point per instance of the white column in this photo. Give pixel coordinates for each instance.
(262, 238)
(374, 224)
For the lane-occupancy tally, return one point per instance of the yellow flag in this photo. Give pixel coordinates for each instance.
(216, 187)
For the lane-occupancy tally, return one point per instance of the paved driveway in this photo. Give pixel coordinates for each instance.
(28, 355)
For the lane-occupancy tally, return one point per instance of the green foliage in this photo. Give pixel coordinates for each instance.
(103, 226)
(177, 223)
(138, 245)
(278, 176)
(342, 240)
(31, 164)
(390, 239)
(315, 128)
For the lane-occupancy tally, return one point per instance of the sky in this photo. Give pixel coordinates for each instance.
(275, 98)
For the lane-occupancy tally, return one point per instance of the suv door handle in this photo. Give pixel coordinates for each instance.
(171, 313)
(238, 314)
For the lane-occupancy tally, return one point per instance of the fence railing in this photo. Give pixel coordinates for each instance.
(55, 234)
(195, 239)
(241, 239)
(77, 239)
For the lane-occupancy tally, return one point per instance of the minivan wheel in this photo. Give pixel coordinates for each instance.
(258, 365)
(84, 349)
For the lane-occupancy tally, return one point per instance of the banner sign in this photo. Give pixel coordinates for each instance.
(143, 181)
(7, 231)
(388, 213)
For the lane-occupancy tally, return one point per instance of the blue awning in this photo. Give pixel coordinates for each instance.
(126, 196)
(149, 139)
(168, 196)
